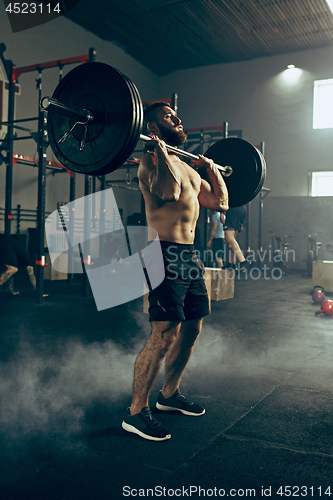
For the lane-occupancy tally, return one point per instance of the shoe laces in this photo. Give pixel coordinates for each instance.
(180, 396)
(147, 414)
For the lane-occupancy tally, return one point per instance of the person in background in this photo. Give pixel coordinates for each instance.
(12, 258)
(329, 248)
(216, 238)
(234, 223)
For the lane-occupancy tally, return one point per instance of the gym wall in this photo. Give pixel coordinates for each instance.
(253, 96)
(53, 41)
(260, 98)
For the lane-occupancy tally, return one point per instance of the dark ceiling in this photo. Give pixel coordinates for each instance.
(171, 35)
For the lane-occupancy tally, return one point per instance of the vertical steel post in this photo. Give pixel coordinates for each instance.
(10, 149)
(70, 275)
(174, 102)
(206, 217)
(103, 183)
(102, 222)
(87, 211)
(86, 233)
(92, 54)
(247, 242)
(42, 132)
(18, 219)
(225, 130)
(261, 209)
(262, 195)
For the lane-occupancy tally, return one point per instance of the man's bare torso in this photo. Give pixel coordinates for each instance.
(173, 220)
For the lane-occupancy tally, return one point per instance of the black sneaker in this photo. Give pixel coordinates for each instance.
(243, 266)
(145, 425)
(178, 402)
(230, 267)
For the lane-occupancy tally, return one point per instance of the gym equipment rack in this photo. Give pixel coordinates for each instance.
(13, 74)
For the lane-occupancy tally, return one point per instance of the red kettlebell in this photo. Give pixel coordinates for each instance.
(318, 294)
(327, 308)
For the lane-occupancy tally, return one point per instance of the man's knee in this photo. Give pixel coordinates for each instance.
(9, 271)
(229, 236)
(12, 269)
(191, 329)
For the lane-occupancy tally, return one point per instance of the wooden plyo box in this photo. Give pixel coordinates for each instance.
(50, 273)
(222, 283)
(322, 274)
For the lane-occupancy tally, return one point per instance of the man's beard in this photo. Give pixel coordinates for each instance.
(172, 137)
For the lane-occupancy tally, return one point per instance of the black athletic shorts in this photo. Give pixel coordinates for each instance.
(218, 246)
(12, 253)
(235, 219)
(182, 295)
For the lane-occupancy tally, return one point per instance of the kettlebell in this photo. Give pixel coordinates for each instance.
(318, 294)
(327, 308)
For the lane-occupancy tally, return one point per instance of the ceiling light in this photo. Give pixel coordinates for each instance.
(330, 4)
(291, 66)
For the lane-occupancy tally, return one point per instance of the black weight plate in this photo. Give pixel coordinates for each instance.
(137, 129)
(129, 144)
(134, 135)
(261, 182)
(111, 137)
(248, 165)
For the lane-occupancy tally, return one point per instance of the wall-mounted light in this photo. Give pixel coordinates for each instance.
(291, 74)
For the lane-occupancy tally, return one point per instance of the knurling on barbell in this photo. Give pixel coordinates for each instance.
(95, 121)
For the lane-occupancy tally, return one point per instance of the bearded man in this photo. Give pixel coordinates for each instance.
(173, 193)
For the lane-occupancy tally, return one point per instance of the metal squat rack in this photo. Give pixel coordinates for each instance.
(13, 73)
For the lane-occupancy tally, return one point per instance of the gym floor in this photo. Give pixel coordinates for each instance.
(262, 368)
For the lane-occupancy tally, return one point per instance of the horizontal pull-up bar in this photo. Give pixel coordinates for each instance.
(51, 64)
(19, 121)
(29, 160)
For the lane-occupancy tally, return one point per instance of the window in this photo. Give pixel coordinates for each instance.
(321, 183)
(323, 104)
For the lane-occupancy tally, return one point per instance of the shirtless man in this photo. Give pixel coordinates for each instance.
(173, 193)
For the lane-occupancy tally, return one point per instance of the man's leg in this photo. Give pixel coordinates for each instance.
(11, 287)
(32, 278)
(149, 361)
(219, 262)
(7, 273)
(230, 236)
(179, 354)
(170, 398)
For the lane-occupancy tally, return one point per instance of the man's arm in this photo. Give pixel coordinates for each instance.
(213, 194)
(158, 173)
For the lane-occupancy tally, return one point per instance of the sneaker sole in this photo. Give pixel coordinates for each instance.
(130, 428)
(172, 408)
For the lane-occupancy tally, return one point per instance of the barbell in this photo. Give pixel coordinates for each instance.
(95, 118)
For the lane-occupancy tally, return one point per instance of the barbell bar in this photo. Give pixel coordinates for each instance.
(84, 117)
(95, 118)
